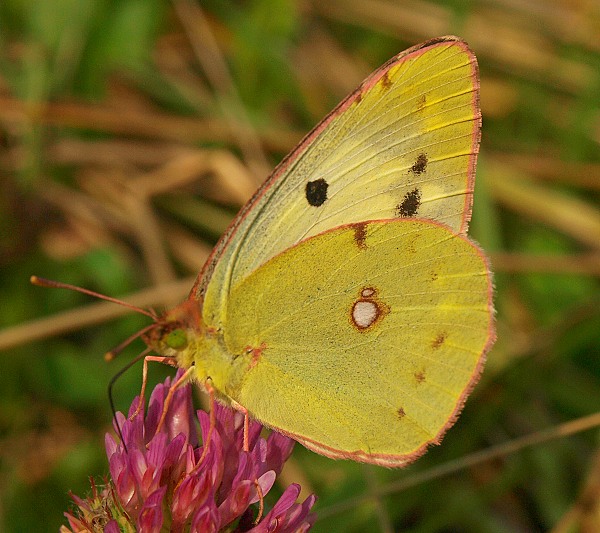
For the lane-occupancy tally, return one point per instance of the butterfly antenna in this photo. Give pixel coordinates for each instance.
(111, 354)
(42, 282)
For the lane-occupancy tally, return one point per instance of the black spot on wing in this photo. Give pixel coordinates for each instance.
(409, 206)
(420, 165)
(316, 192)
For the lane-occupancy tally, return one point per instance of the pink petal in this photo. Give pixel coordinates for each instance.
(265, 483)
(150, 519)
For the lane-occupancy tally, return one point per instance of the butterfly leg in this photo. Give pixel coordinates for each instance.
(211, 399)
(184, 377)
(261, 502)
(244, 411)
(154, 358)
(259, 491)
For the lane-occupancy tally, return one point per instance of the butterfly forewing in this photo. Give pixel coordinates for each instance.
(403, 145)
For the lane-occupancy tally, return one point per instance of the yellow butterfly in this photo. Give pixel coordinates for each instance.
(345, 307)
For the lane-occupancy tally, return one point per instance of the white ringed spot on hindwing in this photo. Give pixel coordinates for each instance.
(367, 310)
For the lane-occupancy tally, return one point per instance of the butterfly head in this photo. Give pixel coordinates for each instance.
(174, 331)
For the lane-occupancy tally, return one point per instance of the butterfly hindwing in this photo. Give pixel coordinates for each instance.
(365, 339)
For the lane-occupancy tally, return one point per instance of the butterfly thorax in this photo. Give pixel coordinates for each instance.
(181, 334)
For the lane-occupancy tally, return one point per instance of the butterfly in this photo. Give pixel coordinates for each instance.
(345, 306)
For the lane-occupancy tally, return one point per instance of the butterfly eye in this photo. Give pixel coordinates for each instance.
(176, 339)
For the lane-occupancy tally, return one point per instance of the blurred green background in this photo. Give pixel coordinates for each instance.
(132, 130)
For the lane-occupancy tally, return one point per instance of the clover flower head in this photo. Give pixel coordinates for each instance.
(167, 481)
